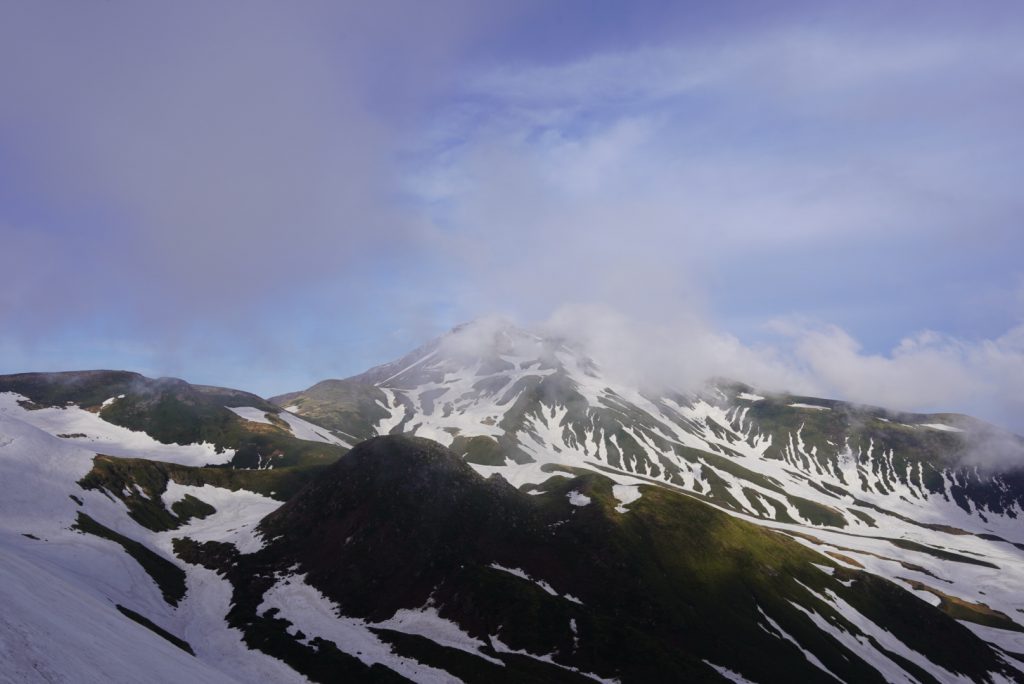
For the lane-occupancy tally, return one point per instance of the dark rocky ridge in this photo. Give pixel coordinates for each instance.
(400, 521)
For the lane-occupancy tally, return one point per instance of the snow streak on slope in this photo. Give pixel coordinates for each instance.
(250, 413)
(299, 428)
(315, 616)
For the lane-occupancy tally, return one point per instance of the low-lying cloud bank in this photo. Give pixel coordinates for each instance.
(927, 372)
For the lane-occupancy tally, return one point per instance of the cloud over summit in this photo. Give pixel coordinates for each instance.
(306, 192)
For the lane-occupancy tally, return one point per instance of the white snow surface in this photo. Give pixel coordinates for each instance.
(54, 631)
(749, 397)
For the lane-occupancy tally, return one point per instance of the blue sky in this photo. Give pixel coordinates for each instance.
(815, 196)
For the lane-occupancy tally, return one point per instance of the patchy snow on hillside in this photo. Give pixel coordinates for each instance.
(626, 494)
(60, 587)
(317, 616)
(303, 429)
(238, 514)
(107, 438)
(578, 499)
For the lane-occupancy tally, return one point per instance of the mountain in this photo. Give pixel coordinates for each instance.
(508, 511)
(237, 428)
(504, 397)
(471, 576)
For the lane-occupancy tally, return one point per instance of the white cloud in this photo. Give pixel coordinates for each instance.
(927, 372)
(846, 173)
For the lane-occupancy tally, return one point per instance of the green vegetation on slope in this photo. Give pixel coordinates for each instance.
(139, 483)
(168, 576)
(652, 594)
(173, 411)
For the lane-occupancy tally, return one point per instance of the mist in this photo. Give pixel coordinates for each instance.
(822, 201)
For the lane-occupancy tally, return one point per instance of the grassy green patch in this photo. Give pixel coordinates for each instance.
(173, 411)
(816, 513)
(190, 507)
(351, 408)
(479, 449)
(863, 517)
(139, 483)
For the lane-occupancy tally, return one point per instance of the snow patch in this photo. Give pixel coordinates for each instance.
(548, 658)
(728, 674)
(578, 499)
(811, 658)
(251, 414)
(626, 494)
(312, 433)
(809, 406)
(300, 428)
(426, 622)
(521, 574)
(940, 426)
(317, 616)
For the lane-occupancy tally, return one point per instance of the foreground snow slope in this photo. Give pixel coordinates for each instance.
(60, 588)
